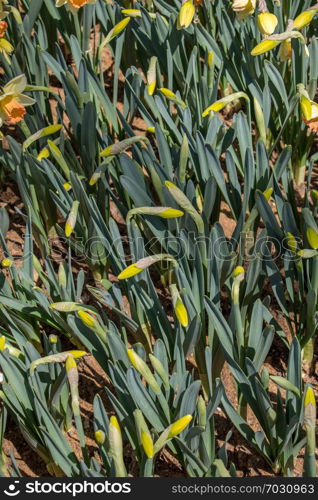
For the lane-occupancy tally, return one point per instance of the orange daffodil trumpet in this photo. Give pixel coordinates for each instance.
(74, 5)
(13, 102)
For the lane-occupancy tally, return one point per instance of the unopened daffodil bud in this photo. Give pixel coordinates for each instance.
(87, 319)
(312, 237)
(264, 46)
(268, 193)
(171, 96)
(6, 263)
(291, 242)
(53, 339)
(179, 307)
(239, 270)
(141, 367)
(116, 447)
(304, 19)
(71, 220)
(100, 437)
(70, 363)
(179, 426)
(147, 444)
(117, 29)
(221, 103)
(186, 14)
(143, 264)
(267, 23)
(181, 312)
(2, 342)
(163, 212)
(151, 75)
(131, 12)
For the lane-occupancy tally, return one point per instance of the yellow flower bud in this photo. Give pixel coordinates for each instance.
(268, 193)
(71, 220)
(181, 312)
(77, 354)
(130, 271)
(117, 29)
(178, 426)
(171, 213)
(147, 444)
(186, 15)
(168, 93)
(100, 437)
(304, 19)
(267, 23)
(53, 339)
(114, 422)
(238, 271)
(70, 363)
(309, 396)
(291, 242)
(312, 237)
(2, 342)
(6, 263)
(87, 319)
(264, 46)
(131, 12)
